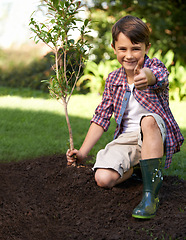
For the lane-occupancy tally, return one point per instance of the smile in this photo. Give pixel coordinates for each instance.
(129, 62)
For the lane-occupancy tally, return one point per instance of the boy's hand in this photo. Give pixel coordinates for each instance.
(143, 77)
(73, 157)
(140, 78)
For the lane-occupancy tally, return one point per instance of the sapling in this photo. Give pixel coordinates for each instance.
(70, 55)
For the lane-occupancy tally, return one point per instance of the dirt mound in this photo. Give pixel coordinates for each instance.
(42, 199)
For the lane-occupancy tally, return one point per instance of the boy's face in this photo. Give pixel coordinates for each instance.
(128, 54)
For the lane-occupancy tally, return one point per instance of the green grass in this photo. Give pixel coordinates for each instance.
(23, 92)
(36, 126)
(31, 127)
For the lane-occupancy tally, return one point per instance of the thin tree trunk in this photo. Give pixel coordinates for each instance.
(69, 130)
(69, 126)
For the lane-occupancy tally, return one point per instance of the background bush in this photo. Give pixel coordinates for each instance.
(30, 75)
(95, 74)
(27, 75)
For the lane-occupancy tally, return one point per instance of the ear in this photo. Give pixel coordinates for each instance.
(147, 49)
(113, 48)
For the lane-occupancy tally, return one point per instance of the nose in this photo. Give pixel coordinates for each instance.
(129, 54)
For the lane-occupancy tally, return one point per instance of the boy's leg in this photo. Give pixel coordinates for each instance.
(152, 146)
(108, 178)
(114, 163)
(153, 132)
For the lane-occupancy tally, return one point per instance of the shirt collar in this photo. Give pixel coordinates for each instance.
(121, 78)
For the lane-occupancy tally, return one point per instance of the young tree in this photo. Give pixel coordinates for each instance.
(70, 55)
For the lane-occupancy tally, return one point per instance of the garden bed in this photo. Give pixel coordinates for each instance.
(43, 199)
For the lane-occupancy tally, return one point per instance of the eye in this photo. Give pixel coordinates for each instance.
(122, 49)
(136, 48)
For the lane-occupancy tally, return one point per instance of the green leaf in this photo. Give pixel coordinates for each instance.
(86, 22)
(71, 41)
(52, 21)
(45, 81)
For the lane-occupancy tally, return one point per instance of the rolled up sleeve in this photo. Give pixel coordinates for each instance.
(160, 72)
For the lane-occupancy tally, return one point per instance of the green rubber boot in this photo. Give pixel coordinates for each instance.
(152, 181)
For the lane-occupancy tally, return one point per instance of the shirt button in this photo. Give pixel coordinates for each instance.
(125, 99)
(120, 114)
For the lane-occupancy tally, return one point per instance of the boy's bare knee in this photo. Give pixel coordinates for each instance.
(149, 123)
(102, 181)
(106, 178)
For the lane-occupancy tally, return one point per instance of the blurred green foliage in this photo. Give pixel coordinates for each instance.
(95, 74)
(177, 83)
(167, 20)
(27, 75)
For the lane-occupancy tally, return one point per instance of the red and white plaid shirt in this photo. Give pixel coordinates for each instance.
(155, 99)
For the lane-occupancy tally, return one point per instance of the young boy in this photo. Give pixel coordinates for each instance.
(137, 94)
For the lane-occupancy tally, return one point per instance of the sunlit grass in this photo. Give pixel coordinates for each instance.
(32, 127)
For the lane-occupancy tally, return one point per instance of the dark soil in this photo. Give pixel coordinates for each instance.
(42, 199)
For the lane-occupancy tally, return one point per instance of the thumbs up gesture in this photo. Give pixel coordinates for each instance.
(140, 76)
(143, 77)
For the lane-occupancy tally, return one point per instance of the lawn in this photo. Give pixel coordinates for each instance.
(35, 126)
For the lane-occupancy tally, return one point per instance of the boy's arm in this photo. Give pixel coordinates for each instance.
(94, 133)
(99, 124)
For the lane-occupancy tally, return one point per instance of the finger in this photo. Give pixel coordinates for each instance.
(141, 86)
(71, 160)
(70, 153)
(71, 163)
(140, 80)
(71, 157)
(139, 66)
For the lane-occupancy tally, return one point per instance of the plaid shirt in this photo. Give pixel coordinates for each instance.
(155, 99)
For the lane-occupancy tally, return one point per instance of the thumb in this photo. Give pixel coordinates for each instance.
(138, 66)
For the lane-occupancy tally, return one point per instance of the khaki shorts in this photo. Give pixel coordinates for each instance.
(125, 152)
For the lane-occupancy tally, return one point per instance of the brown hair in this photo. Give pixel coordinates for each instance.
(133, 28)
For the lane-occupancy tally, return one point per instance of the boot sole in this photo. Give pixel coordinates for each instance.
(143, 217)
